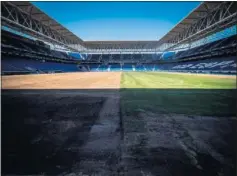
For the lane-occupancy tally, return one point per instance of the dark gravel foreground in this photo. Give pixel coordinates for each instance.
(84, 132)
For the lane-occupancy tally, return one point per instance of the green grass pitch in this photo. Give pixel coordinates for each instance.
(189, 94)
(172, 80)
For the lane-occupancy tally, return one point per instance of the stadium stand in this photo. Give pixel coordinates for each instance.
(21, 55)
(14, 42)
(213, 65)
(168, 55)
(212, 53)
(220, 65)
(93, 67)
(115, 67)
(213, 57)
(94, 58)
(74, 55)
(220, 45)
(11, 65)
(128, 67)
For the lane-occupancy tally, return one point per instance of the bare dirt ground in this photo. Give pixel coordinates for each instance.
(61, 124)
(82, 80)
(173, 144)
(60, 132)
(72, 124)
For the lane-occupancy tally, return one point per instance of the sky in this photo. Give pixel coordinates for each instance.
(118, 20)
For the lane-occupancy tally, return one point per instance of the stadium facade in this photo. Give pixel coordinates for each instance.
(204, 41)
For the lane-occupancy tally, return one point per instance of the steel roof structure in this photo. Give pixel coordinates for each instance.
(207, 18)
(108, 45)
(26, 17)
(201, 11)
(37, 14)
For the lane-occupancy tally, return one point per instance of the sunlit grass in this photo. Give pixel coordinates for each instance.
(177, 93)
(168, 80)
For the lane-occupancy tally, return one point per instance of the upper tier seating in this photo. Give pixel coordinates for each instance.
(12, 42)
(22, 64)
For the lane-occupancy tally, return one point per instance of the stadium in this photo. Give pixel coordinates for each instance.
(78, 107)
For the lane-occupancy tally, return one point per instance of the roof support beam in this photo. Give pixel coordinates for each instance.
(14, 17)
(212, 22)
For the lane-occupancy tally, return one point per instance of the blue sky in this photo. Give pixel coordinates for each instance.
(118, 20)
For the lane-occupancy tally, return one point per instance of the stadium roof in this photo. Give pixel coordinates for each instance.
(200, 14)
(121, 44)
(37, 14)
(195, 25)
(206, 12)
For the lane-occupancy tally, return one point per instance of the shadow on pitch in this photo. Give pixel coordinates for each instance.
(38, 126)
